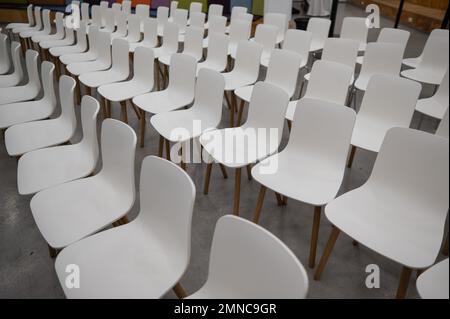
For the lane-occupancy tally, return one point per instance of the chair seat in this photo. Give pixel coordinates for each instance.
(78, 57)
(292, 106)
(61, 216)
(71, 49)
(9, 80)
(47, 44)
(135, 265)
(302, 178)
(433, 283)
(45, 168)
(165, 59)
(96, 79)
(245, 93)
(46, 37)
(17, 25)
(17, 94)
(163, 101)
(210, 65)
(432, 107)
(362, 81)
(234, 80)
(123, 91)
(79, 68)
(221, 143)
(425, 75)
(16, 113)
(316, 45)
(372, 216)
(360, 59)
(134, 45)
(161, 51)
(29, 33)
(265, 60)
(369, 133)
(308, 75)
(412, 62)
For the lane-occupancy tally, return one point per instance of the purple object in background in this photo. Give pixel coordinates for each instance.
(156, 3)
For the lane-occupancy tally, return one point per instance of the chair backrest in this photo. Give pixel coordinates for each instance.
(118, 147)
(143, 10)
(143, 66)
(117, 7)
(283, 70)
(435, 54)
(298, 41)
(442, 95)
(248, 58)
(195, 7)
(134, 28)
(435, 34)
(197, 19)
(244, 258)
(110, 20)
(104, 46)
(236, 11)
(96, 15)
(126, 6)
(390, 99)
(31, 61)
(215, 10)
(193, 43)
(354, 28)
(167, 216)
(16, 54)
(89, 111)
(180, 18)
(81, 35)
(59, 21)
(382, 58)
(278, 20)
(67, 100)
(30, 15)
(5, 62)
(217, 24)
(162, 16)
(150, 32)
(266, 35)
(37, 18)
(120, 56)
(85, 11)
(319, 27)
(239, 31)
(183, 69)
(47, 70)
(46, 21)
(392, 35)
(209, 91)
(329, 81)
(443, 126)
(170, 37)
(339, 50)
(218, 49)
(103, 9)
(330, 144)
(69, 34)
(413, 166)
(173, 8)
(121, 22)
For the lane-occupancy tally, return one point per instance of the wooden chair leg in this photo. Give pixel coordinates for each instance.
(179, 291)
(355, 243)
(404, 283)
(158, 81)
(78, 92)
(314, 237)
(168, 150)
(241, 111)
(352, 157)
(207, 178)
(259, 204)
(249, 172)
(445, 248)
(142, 129)
(326, 253)
(52, 251)
(289, 123)
(228, 100)
(279, 199)
(136, 110)
(123, 111)
(285, 200)
(224, 171)
(237, 191)
(88, 90)
(161, 146)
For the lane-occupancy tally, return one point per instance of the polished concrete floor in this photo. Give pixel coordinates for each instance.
(27, 271)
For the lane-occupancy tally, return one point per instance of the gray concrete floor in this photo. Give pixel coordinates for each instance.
(27, 271)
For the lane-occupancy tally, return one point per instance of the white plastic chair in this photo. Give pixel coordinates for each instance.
(312, 166)
(150, 39)
(37, 19)
(180, 18)
(354, 28)
(23, 25)
(16, 76)
(400, 211)
(72, 211)
(237, 13)
(126, 6)
(344, 51)
(141, 83)
(266, 35)
(122, 26)
(79, 46)
(380, 58)
(134, 28)
(414, 62)
(278, 20)
(162, 17)
(101, 62)
(217, 55)
(96, 16)
(81, 56)
(142, 10)
(103, 10)
(244, 258)
(47, 27)
(240, 30)
(391, 35)
(30, 136)
(39, 26)
(49, 167)
(117, 7)
(192, 45)
(207, 110)
(150, 259)
(195, 7)
(85, 12)
(434, 63)
(109, 24)
(27, 91)
(169, 42)
(216, 24)
(5, 61)
(21, 112)
(437, 105)
(119, 71)
(173, 8)
(319, 27)
(443, 127)
(329, 81)
(68, 39)
(179, 93)
(433, 283)
(259, 137)
(58, 35)
(197, 19)
(214, 10)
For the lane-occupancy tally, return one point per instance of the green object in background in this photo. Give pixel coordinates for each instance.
(258, 7)
(185, 4)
